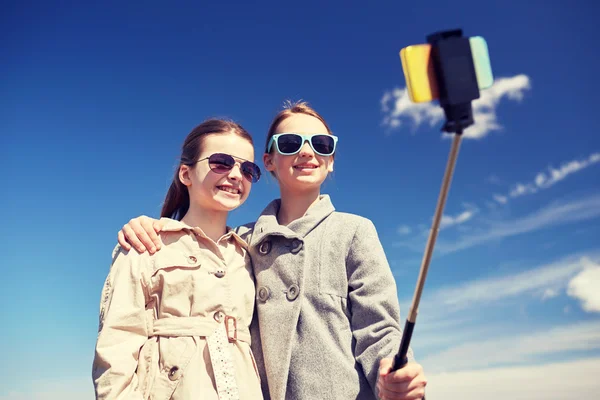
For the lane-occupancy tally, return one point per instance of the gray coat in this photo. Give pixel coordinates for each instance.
(327, 304)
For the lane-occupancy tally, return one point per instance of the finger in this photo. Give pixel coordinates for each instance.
(385, 365)
(403, 387)
(122, 241)
(148, 237)
(142, 235)
(132, 238)
(416, 393)
(158, 225)
(405, 374)
(395, 389)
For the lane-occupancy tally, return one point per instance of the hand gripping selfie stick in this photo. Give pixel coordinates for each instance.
(453, 69)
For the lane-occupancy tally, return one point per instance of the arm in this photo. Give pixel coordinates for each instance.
(122, 330)
(141, 232)
(375, 309)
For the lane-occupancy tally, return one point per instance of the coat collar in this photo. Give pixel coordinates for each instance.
(267, 221)
(173, 225)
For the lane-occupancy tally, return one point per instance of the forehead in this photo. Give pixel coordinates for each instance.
(228, 143)
(301, 123)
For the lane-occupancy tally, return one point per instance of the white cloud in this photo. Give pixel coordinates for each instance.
(404, 230)
(586, 287)
(543, 180)
(493, 179)
(448, 220)
(521, 190)
(553, 381)
(484, 108)
(551, 215)
(476, 310)
(403, 107)
(539, 281)
(517, 349)
(549, 293)
(551, 176)
(500, 199)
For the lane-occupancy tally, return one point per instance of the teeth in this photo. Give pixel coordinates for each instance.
(229, 189)
(305, 166)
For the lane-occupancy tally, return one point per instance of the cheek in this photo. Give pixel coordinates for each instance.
(283, 163)
(247, 190)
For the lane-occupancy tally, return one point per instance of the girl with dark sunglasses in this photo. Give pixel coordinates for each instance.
(327, 306)
(175, 324)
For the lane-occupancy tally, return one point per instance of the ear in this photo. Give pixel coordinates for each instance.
(268, 161)
(330, 166)
(184, 175)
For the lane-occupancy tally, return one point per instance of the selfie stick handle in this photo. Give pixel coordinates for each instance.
(400, 360)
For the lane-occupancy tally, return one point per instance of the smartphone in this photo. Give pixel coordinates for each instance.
(420, 77)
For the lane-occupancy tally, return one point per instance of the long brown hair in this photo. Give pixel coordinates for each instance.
(177, 200)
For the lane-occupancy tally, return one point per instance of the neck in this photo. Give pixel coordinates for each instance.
(212, 223)
(295, 204)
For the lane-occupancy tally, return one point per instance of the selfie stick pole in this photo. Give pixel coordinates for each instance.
(401, 358)
(457, 84)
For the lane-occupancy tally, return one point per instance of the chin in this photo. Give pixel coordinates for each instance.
(309, 180)
(229, 204)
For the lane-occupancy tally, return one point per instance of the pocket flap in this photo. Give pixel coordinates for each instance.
(168, 258)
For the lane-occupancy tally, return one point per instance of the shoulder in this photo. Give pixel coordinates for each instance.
(121, 256)
(347, 229)
(350, 221)
(359, 231)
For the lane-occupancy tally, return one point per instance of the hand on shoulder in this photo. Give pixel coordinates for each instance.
(141, 233)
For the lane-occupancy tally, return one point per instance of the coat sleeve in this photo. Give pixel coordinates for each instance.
(122, 330)
(373, 298)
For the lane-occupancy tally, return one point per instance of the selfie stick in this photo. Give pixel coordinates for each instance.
(456, 79)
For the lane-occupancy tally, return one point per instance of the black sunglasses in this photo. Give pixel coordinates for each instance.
(223, 163)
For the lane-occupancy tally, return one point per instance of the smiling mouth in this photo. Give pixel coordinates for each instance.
(305, 166)
(229, 189)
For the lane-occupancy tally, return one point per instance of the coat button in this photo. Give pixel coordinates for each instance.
(265, 247)
(292, 292)
(192, 259)
(219, 316)
(220, 273)
(296, 246)
(264, 294)
(174, 373)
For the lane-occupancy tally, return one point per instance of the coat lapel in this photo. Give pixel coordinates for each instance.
(267, 224)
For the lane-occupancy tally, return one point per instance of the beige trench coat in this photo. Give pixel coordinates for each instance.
(160, 313)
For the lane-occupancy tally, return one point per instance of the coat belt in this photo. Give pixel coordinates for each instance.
(218, 336)
(198, 326)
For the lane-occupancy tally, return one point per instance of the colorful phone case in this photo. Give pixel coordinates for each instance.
(418, 72)
(420, 77)
(481, 59)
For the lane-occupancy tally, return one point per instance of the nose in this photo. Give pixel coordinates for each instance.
(235, 173)
(306, 150)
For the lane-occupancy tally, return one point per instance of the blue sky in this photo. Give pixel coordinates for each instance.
(97, 98)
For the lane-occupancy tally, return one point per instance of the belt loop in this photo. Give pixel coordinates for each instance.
(234, 337)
